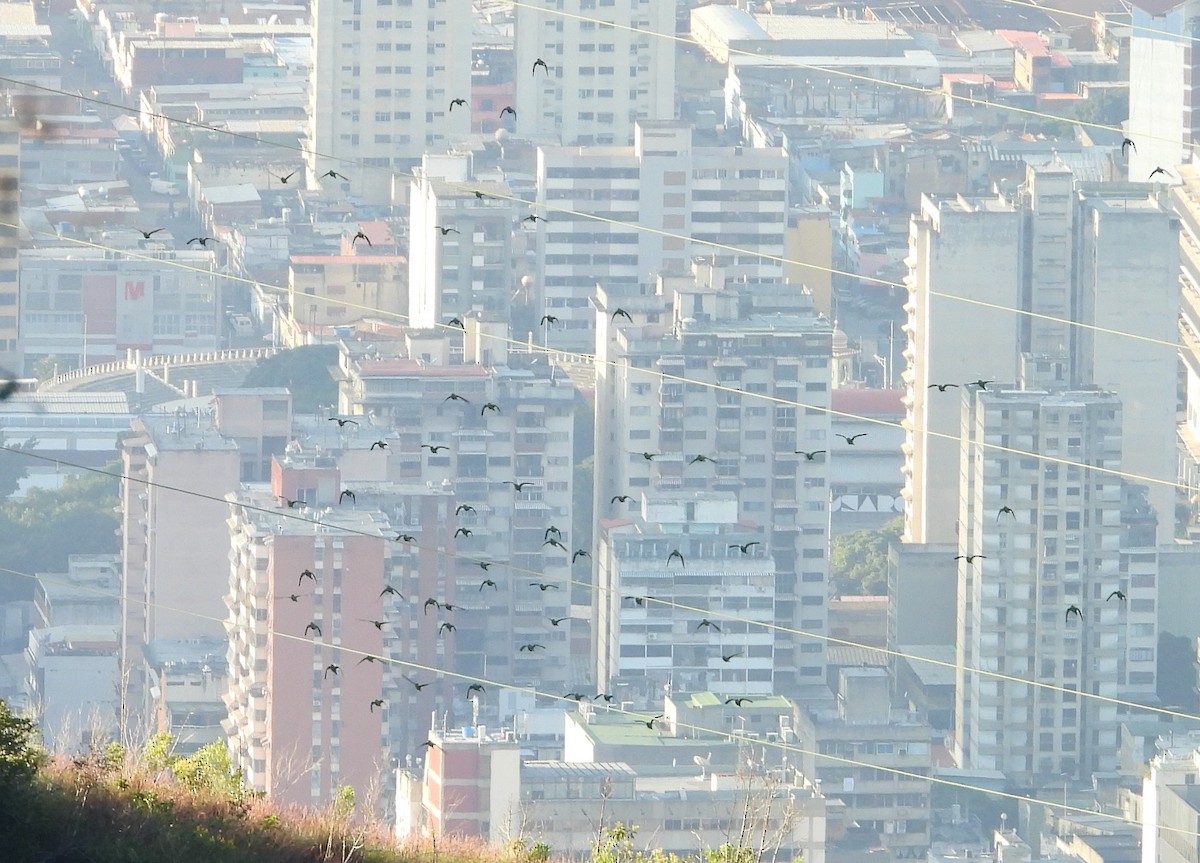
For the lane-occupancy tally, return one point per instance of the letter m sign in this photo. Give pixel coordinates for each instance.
(135, 290)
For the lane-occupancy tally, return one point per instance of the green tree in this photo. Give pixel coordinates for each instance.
(858, 560)
(39, 532)
(211, 769)
(1176, 683)
(13, 465)
(19, 752)
(48, 367)
(304, 371)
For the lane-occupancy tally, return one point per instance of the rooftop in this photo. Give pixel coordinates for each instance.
(66, 403)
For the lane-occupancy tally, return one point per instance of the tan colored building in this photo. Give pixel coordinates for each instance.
(809, 238)
(326, 291)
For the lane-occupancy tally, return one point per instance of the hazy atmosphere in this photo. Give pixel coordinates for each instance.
(614, 431)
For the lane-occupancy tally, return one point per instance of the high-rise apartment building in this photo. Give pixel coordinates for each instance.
(299, 729)
(460, 245)
(681, 193)
(643, 641)
(383, 77)
(734, 344)
(527, 439)
(1064, 546)
(1060, 250)
(600, 79)
(1164, 104)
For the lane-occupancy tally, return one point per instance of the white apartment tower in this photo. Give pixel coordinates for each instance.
(730, 195)
(1061, 547)
(1164, 103)
(763, 340)
(384, 73)
(601, 79)
(648, 643)
(468, 269)
(1061, 249)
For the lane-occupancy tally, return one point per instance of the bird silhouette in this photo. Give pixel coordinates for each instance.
(738, 702)
(367, 658)
(463, 507)
(203, 241)
(745, 547)
(620, 498)
(552, 529)
(456, 322)
(433, 602)
(335, 175)
(649, 723)
(969, 558)
(539, 62)
(291, 504)
(485, 565)
(314, 628)
(342, 423)
(294, 597)
(575, 696)
(446, 231)
(405, 537)
(378, 702)
(454, 102)
(729, 657)
(1118, 594)
(346, 493)
(490, 406)
(702, 458)
(446, 626)
(378, 624)
(1074, 609)
(474, 687)
(361, 236)
(650, 456)
(639, 601)
(430, 744)
(487, 582)
(308, 573)
(387, 588)
(416, 686)
(676, 554)
(555, 621)
(479, 196)
(850, 439)
(507, 109)
(148, 234)
(810, 456)
(608, 699)
(455, 397)
(621, 313)
(530, 648)
(534, 218)
(1003, 510)
(518, 486)
(462, 531)
(284, 179)
(706, 623)
(379, 444)
(1157, 171)
(434, 449)
(941, 388)
(981, 383)
(555, 543)
(331, 667)
(448, 607)
(542, 586)
(1127, 142)
(579, 552)
(547, 320)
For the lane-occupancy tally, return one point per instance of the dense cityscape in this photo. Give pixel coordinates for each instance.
(775, 425)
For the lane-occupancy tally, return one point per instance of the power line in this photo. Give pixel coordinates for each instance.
(633, 714)
(596, 588)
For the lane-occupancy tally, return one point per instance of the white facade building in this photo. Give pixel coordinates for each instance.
(383, 78)
(1060, 548)
(601, 79)
(1164, 104)
(733, 196)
